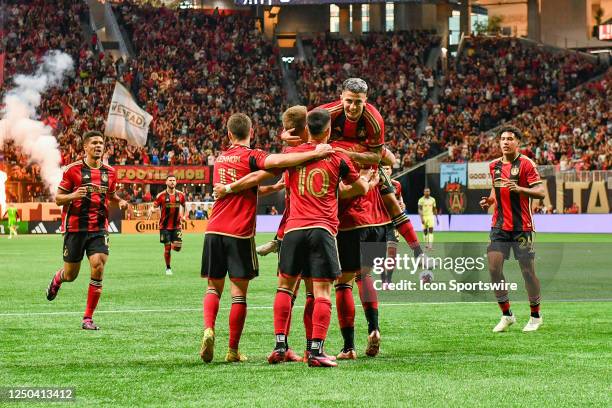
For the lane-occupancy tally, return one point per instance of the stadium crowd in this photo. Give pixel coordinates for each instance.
(192, 70)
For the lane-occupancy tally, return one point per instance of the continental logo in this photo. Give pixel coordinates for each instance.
(94, 188)
(152, 226)
(132, 117)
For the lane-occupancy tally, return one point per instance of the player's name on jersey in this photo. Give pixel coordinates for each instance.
(152, 226)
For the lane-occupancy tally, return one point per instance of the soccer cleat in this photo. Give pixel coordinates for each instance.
(533, 324)
(373, 344)
(234, 356)
(504, 323)
(168, 271)
(52, 289)
(207, 349)
(320, 361)
(292, 357)
(267, 248)
(88, 324)
(276, 356)
(349, 354)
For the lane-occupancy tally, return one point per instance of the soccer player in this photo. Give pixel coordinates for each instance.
(515, 183)
(12, 216)
(392, 235)
(85, 191)
(229, 243)
(309, 247)
(172, 206)
(427, 211)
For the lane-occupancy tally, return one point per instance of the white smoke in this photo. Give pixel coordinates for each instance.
(19, 122)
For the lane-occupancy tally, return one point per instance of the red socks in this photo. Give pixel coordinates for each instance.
(167, 255)
(367, 293)
(282, 310)
(404, 227)
(93, 295)
(210, 306)
(345, 305)
(321, 317)
(308, 310)
(236, 320)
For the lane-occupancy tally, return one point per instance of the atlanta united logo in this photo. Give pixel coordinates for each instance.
(514, 171)
(455, 198)
(104, 177)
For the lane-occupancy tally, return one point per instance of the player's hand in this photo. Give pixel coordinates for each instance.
(123, 205)
(219, 191)
(402, 206)
(79, 193)
(511, 185)
(290, 139)
(323, 150)
(486, 202)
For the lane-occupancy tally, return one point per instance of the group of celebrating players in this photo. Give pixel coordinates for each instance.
(341, 211)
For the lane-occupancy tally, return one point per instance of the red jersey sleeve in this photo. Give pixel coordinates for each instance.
(348, 174)
(257, 160)
(112, 184)
(183, 200)
(158, 200)
(531, 173)
(67, 183)
(375, 127)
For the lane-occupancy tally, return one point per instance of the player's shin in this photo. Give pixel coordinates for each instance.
(402, 224)
(237, 318)
(345, 305)
(210, 308)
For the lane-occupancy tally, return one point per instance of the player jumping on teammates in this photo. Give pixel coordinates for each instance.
(85, 191)
(309, 246)
(172, 211)
(515, 183)
(428, 211)
(13, 217)
(229, 245)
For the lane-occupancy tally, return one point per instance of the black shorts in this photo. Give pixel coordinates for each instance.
(76, 244)
(392, 234)
(521, 243)
(223, 255)
(386, 187)
(311, 253)
(170, 236)
(354, 255)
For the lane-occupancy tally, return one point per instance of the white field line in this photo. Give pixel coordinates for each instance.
(183, 310)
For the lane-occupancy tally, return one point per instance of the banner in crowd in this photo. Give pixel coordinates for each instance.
(479, 176)
(453, 173)
(126, 120)
(152, 226)
(157, 174)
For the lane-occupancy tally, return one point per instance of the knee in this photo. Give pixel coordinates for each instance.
(97, 268)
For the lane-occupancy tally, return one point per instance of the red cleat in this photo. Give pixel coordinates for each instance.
(277, 356)
(52, 289)
(292, 357)
(320, 361)
(307, 353)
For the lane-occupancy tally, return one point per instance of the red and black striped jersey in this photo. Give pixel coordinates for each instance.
(89, 213)
(234, 214)
(368, 131)
(170, 205)
(513, 211)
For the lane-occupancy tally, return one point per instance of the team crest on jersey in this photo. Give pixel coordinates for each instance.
(65, 251)
(455, 198)
(514, 171)
(104, 177)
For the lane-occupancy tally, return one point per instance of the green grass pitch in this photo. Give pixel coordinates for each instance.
(146, 353)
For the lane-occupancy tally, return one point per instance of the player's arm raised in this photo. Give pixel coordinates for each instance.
(249, 181)
(294, 159)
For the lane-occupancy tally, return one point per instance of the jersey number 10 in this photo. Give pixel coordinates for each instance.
(306, 182)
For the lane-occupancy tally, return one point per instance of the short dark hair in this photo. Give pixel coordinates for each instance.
(318, 121)
(295, 118)
(170, 175)
(92, 133)
(239, 125)
(510, 129)
(356, 85)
